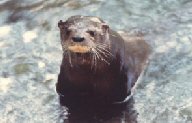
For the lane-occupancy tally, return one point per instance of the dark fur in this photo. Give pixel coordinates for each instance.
(108, 81)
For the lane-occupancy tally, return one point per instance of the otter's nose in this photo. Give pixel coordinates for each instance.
(78, 39)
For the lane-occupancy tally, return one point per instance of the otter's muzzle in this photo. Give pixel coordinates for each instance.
(79, 49)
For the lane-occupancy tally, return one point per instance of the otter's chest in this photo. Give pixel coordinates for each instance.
(91, 76)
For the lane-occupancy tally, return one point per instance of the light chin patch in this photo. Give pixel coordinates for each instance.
(79, 49)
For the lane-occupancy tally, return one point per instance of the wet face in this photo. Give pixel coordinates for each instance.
(83, 34)
(85, 41)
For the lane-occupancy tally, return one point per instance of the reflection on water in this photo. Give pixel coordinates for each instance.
(82, 112)
(30, 56)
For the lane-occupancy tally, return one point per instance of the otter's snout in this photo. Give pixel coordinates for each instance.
(78, 39)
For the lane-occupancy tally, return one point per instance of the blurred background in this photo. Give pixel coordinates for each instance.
(30, 56)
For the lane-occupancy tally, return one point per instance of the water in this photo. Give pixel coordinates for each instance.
(30, 56)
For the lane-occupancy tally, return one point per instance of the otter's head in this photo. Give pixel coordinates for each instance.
(83, 34)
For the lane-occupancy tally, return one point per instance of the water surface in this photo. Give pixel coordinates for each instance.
(30, 56)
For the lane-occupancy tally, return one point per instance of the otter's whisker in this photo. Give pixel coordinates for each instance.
(64, 46)
(104, 52)
(101, 57)
(65, 54)
(96, 55)
(93, 60)
(102, 45)
(70, 61)
(101, 52)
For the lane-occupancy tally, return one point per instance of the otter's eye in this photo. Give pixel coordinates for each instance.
(68, 31)
(92, 33)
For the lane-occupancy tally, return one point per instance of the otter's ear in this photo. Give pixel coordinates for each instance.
(105, 27)
(61, 24)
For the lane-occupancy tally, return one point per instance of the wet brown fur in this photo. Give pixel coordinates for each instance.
(107, 80)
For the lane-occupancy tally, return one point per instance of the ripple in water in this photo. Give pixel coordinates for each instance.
(30, 54)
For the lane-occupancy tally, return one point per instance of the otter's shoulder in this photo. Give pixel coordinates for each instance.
(136, 45)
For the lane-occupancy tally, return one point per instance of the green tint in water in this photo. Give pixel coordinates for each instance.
(21, 68)
(164, 94)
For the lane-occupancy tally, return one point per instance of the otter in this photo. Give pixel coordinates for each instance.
(98, 63)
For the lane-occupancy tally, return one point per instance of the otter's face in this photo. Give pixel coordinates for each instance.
(83, 34)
